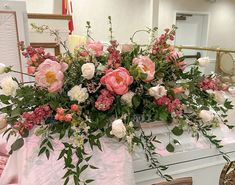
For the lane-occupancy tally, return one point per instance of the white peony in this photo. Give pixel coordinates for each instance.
(78, 93)
(203, 61)
(118, 129)
(8, 86)
(157, 91)
(219, 97)
(206, 115)
(2, 68)
(127, 98)
(3, 121)
(88, 70)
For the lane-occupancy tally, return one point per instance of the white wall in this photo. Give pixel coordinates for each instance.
(43, 6)
(221, 23)
(127, 15)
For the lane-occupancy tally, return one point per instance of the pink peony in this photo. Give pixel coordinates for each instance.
(146, 65)
(96, 47)
(74, 107)
(50, 75)
(117, 80)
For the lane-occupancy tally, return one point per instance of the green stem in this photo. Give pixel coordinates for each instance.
(14, 71)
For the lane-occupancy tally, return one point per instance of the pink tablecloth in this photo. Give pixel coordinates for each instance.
(24, 167)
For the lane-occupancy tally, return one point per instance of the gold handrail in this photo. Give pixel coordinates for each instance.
(206, 49)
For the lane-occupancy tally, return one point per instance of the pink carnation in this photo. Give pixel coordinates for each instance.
(105, 100)
(146, 65)
(117, 80)
(96, 47)
(50, 75)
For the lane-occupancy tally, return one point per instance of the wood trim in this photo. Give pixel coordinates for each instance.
(49, 16)
(47, 45)
(180, 181)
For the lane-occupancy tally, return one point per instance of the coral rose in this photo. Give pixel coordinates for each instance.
(96, 47)
(50, 75)
(146, 65)
(117, 80)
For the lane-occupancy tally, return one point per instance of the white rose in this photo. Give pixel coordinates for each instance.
(118, 129)
(203, 61)
(157, 91)
(219, 97)
(127, 98)
(206, 115)
(78, 93)
(8, 86)
(3, 121)
(88, 70)
(2, 68)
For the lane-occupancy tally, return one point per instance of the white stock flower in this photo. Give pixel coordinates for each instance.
(127, 98)
(2, 68)
(3, 121)
(203, 61)
(157, 91)
(101, 67)
(8, 86)
(78, 93)
(206, 115)
(88, 70)
(118, 129)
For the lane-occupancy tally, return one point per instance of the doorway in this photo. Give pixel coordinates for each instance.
(192, 31)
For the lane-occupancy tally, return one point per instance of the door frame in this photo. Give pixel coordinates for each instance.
(208, 14)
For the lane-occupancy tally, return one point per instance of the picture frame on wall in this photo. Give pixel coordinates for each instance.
(9, 39)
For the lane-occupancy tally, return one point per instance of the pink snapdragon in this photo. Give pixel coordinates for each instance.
(50, 75)
(117, 80)
(114, 57)
(146, 65)
(105, 100)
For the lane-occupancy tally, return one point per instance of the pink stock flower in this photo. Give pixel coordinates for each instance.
(105, 100)
(96, 47)
(31, 70)
(172, 105)
(117, 80)
(146, 65)
(30, 119)
(50, 75)
(164, 100)
(209, 83)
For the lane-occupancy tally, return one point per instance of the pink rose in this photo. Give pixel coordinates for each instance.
(50, 75)
(117, 80)
(96, 47)
(146, 65)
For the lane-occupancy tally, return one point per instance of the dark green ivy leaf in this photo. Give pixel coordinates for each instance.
(170, 148)
(177, 131)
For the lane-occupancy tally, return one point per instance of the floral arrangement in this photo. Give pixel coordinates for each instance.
(92, 92)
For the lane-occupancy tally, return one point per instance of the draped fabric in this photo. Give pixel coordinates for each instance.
(24, 167)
